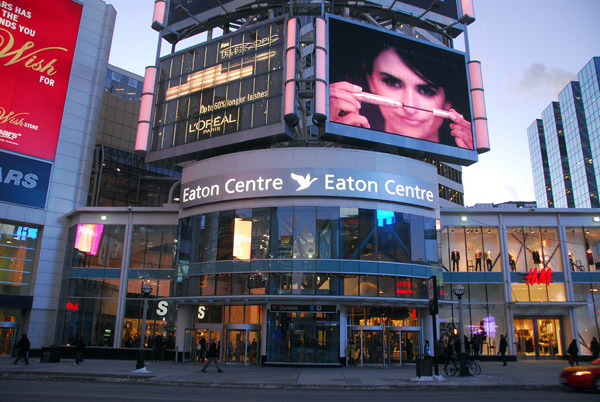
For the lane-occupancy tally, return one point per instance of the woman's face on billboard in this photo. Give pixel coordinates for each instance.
(391, 77)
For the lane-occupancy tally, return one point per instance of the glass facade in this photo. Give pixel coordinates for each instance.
(18, 249)
(483, 313)
(471, 249)
(123, 84)
(565, 146)
(122, 178)
(308, 233)
(584, 248)
(98, 265)
(227, 264)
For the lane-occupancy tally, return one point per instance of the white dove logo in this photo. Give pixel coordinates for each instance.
(304, 182)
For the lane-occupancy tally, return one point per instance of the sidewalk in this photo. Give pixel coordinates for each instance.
(525, 374)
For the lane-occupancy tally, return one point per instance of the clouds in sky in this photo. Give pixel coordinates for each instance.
(540, 80)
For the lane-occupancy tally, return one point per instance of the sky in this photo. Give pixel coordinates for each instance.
(529, 51)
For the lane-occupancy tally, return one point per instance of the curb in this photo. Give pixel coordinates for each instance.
(152, 380)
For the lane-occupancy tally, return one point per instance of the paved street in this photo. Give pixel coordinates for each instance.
(66, 391)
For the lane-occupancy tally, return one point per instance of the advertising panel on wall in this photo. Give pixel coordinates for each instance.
(24, 180)
(37, 43)
(392, 92)
(221, 96)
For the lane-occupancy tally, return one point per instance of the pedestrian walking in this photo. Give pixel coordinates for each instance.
(503, 347)
(79, 348)
(212, 356)
(595, 348)
(23, 349)
(573, 352)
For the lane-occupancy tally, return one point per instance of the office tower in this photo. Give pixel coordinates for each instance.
(564, 145)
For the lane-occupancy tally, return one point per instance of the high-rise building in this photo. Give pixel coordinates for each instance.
(565, 145)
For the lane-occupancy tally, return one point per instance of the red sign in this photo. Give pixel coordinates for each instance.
(73, 306)
(538, 278)
(404, 288)
(37, 43)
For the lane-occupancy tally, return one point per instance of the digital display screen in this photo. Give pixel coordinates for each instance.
(88, 238)
(394, 91)
(230, 85)
(37, 44)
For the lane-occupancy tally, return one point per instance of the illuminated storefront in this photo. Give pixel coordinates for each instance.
(534, 288)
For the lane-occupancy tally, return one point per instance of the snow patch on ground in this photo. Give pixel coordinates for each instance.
(429, 378)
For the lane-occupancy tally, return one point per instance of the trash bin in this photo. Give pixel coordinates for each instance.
(424, 366)
(50, 355)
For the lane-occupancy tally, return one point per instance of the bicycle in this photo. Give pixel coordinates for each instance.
(457, 365)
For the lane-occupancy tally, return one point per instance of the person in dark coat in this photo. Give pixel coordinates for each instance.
(79, 347)
(573, 352)
(202, 349)
(212, 356)
(23, 349)
(595, 348)
(157, 348)
(503, 347)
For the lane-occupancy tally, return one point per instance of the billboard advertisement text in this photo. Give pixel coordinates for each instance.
(37, 43)
(230, 85)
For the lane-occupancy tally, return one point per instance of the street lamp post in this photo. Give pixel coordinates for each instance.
(146, 290)
(459, 291)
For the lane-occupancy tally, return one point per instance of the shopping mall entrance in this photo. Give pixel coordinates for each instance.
(538, 337)
(242, 342)
(384, 345)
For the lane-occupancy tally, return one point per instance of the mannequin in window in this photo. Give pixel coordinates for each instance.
(478, 258)
(512, 262)
(572, 261)
(488, 260)
(536, 258)
(455, 258)
(590, 257)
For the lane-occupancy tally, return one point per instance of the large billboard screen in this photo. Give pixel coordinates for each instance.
(394, 92)
(37, 43)
(219, 94)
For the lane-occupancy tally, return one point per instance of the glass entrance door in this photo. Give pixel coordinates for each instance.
(392, 347)
(369, 345)
(538, 337)
(524, 337)
(236, 346)
(548, 337)
(409, 346)
(208, 335)
(242, 345)
(252, 347)
(373, 347)
(7, 339)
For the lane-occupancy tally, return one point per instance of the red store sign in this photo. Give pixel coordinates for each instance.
(37, 44)
(533, 277)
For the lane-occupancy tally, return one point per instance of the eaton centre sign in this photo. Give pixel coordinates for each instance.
(307, 182)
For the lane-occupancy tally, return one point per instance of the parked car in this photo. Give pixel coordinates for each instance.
(581, 377)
